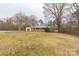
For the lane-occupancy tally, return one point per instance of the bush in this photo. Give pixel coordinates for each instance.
(47, 30)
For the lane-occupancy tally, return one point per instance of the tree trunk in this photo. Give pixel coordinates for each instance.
(58, 25)
(19, 28)
(78, 27)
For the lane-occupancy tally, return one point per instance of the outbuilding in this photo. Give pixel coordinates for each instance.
(28, 29)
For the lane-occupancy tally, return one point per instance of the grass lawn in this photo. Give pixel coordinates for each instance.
(38, 44)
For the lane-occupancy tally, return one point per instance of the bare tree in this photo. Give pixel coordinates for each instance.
(55, 11)
(9, 20)
(20, 20)
(33, 20)
(75, 7)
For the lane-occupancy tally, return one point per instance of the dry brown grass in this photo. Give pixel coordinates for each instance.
(38, 43)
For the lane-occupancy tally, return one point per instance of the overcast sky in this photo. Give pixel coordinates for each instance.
(9, 9)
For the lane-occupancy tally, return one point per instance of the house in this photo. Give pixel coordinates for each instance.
(40, 27)
(36, 28)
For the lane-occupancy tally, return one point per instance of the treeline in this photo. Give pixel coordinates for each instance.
(18, 22)
(63, 16)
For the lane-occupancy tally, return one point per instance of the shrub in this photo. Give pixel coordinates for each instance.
(47, 30)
